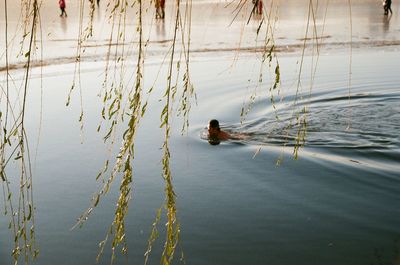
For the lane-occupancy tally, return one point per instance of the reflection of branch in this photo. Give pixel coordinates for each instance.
(350, 65)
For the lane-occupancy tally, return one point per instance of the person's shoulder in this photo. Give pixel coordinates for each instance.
(224, 135)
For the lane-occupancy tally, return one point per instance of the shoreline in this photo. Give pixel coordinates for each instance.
(213, 30)
(281, 50)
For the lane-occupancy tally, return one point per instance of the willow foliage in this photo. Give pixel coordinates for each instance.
(113, 97)
(14, 144)
(122, 102)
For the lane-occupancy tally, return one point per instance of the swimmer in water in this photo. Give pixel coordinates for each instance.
(215, 134)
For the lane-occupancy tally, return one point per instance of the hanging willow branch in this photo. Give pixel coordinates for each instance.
(14, 136)
(136, 109)
(114, 97)
(172, 224)
(126, 154)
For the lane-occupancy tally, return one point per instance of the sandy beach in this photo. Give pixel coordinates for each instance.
(216, 26)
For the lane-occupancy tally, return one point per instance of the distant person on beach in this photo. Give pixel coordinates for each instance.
(387, 6)
(157, 6)
(160, 8)
(61, 3)
(258, 6)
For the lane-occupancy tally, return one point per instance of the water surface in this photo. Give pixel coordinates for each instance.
(338, 203)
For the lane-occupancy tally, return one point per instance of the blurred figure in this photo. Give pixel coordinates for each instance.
(61, 3)
(98, 2)
(157, 6)
(258, 6)
(387, 6)
(160, 8)
(92, 6)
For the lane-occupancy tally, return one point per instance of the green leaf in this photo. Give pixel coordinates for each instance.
(30, 213)
(97, 200)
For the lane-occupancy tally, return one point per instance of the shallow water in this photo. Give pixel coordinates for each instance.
(338, 203)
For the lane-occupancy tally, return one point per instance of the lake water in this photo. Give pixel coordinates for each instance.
(338, 203)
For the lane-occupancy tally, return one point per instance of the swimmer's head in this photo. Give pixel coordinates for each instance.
(213, 132)
(213, 124)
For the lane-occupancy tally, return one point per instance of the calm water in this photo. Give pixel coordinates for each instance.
(337, 204)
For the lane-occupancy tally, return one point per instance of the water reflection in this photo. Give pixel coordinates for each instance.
(63, 25)
(386, 22)
(98, 11)
(160, 28)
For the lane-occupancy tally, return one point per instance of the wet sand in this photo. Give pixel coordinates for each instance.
(216, 26)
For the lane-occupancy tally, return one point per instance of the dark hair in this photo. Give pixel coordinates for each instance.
(214, 124)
